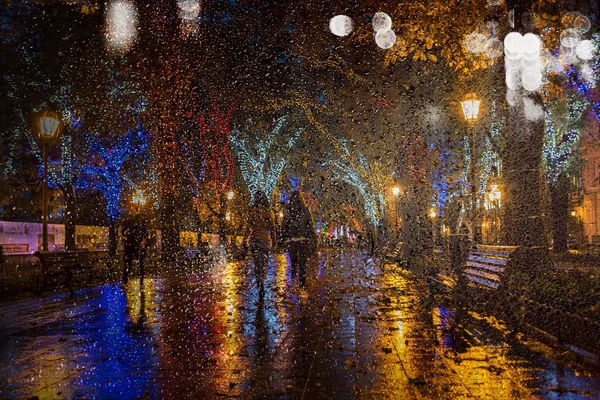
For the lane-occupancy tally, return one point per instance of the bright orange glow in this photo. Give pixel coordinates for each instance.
(470, 107)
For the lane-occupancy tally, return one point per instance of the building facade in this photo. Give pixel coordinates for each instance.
(585, 197)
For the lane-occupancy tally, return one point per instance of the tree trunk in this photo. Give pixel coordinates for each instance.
(416, 226)
(222, 231)
(222, 219)
(112, 238)
(523, 224)
(170, 233)
(560, 213)
(69, 193)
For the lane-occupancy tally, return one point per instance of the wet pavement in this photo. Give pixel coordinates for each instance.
(360, 333)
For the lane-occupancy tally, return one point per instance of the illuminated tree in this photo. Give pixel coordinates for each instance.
(563, 122)
(261, 161)
(107, 172)
(416, 166)
(209, 164)
(373, 199)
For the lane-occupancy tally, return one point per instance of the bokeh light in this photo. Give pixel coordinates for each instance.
(122, 20)
(570, 37)
(341, 25)
(381, 22)
(585, 50)
(385, 39)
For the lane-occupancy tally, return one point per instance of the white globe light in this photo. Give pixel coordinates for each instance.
(531, 46)
(512, 97)
(121, 18)
(585, 50)
(587, 73)
(570, 37)
(341, 25)
(533, 111)
(512, 56)
(532, 79)
(188, 9)
(512, 65)
(513, 79)
(535, 63)
(493, 48)
(381, 22)
(474, 43)
(513, 42)
(582, 23)
(385, 39)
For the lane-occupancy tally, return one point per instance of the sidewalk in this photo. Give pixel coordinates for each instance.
(362, 333)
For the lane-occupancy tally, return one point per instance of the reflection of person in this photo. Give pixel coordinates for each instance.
(261, 224)
(135, 243)
(300, 236)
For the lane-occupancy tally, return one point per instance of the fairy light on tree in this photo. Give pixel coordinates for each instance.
(262, 161)
(373, 201)
(108, 175)
(209, 164)
(563, 123)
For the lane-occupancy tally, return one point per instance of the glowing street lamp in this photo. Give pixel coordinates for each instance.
(396, 190)
(495, 196)
(138, 198)
(470, 109)
(230, 195)
(228, 215)
(432, 213)
(48, 129)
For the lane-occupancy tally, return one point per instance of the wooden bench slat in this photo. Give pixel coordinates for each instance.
(496, 254)
(493, 247)
(484, 282)
(483, 274)
(489, 260)
(485, 267)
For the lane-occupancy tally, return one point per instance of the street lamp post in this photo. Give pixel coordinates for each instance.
(495, 196)
(470, 108)
(396, 193)
(138, 199)
(48, 131)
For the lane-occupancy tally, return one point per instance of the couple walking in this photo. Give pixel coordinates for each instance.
(297, 230)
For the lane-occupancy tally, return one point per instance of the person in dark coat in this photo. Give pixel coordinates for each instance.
(135, 243)
(299, 235)
(261, 226)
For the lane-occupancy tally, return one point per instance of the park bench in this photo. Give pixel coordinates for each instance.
(486, 265)
(69, 264)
